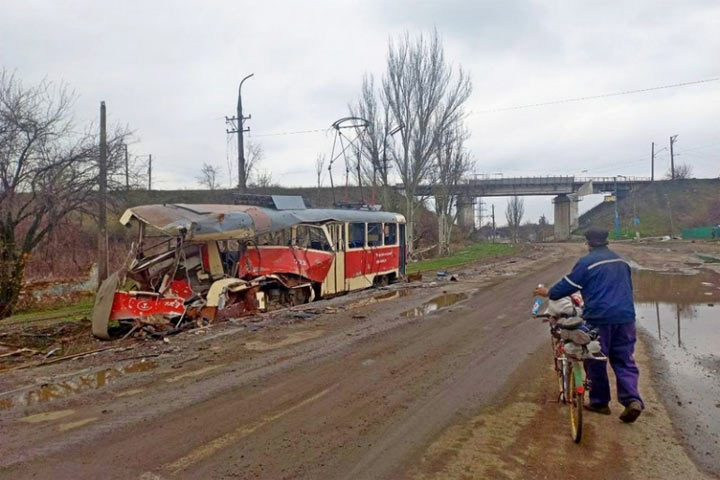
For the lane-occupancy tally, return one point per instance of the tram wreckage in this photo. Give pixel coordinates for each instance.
(196, 264)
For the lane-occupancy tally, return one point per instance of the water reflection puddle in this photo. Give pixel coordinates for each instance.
(694, 329)
(382, 297)
(436, 303)
(82, 383)
(681, 313)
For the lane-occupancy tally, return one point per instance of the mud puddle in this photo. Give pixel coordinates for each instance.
(681, 314)
(50, 392)
(381, 297)
(442, 301)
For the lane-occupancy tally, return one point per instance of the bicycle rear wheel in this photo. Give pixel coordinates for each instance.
(576, 397)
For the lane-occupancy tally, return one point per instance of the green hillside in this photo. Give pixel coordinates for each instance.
(660, 206)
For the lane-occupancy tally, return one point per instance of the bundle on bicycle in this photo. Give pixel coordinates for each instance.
(573, 342)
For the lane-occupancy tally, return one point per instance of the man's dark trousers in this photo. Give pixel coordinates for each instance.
(618, 344)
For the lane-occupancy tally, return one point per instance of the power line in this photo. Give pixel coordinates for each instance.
(698, 147)
(594, 97)
(530, 105)
(296, 132)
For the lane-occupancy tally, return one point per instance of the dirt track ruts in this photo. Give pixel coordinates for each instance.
(335, 398)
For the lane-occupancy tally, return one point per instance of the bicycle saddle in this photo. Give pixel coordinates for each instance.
(570, 323)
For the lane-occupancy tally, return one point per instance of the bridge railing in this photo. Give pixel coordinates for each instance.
(553, 180)
(620, 179)
(548, 180)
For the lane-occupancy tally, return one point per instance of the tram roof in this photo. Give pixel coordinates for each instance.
(225, 222)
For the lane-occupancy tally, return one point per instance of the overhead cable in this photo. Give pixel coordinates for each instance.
(529, 105)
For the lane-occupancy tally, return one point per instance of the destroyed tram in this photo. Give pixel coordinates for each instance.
(203, 263)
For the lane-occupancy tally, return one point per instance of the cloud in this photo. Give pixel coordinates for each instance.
(170, 70)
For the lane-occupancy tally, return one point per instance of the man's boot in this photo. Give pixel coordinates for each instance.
(632, 412)
(602, 409)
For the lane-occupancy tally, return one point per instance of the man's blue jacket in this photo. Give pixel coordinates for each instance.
(604, 279)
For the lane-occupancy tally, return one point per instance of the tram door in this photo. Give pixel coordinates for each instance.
(335, 280)
(403, 248)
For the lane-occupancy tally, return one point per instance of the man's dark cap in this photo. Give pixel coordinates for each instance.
(596, 237)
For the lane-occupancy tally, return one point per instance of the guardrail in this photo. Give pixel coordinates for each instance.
(553, 180)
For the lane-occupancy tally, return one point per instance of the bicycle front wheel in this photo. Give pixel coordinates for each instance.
(576, 399)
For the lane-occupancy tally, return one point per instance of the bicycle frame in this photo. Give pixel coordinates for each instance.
(572, 381)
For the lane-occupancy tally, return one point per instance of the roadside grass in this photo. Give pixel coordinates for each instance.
(82, 308)
(471, 253)
(74, 312)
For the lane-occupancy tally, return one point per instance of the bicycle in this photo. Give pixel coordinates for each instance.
(570, 348)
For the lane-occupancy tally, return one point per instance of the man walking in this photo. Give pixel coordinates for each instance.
(604, 279)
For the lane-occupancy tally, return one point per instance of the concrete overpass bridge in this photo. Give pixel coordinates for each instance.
(567, 192)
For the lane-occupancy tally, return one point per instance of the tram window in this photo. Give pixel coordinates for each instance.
(312, 238)
(357, 235)
(390, 233)
(281, 238)
(374, 236)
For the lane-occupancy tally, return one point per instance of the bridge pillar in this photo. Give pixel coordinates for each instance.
(566, 215)
(574, 216)
(465, 212)
(562, 217)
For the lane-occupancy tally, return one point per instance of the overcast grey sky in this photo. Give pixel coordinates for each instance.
(170, 69)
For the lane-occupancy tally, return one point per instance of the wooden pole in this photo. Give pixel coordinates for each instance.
(672, 157)
(102, 214)
(652, 162)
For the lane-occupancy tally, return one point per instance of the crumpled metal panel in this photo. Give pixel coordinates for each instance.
(288, 202)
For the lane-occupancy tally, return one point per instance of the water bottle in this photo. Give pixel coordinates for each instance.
(537, 304)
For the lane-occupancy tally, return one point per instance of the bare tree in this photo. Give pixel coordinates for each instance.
(451, 165)
(543, 226)
(682, 171)
(47, 171)
(374, 160)
(209, 177)
(262, 179)
(133, 176)
(253, 156)
(513, 214)
(426, 95)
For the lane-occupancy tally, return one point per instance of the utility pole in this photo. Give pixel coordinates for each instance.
(670, 213)
(150, 172)
(479, 214)
(239, 128)
(617, 216)
(673, 139)
(102, 214)
(652, 162)
(493, 223)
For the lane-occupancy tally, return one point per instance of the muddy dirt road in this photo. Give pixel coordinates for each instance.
(443, 380)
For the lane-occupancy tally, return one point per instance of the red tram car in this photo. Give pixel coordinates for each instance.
(202, 262)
